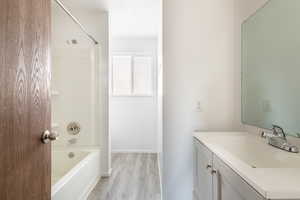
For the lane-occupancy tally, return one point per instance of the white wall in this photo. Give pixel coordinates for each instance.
(77, 94)
(160, 94)
(201, 57)
(133, 120)
(77, 91)
(97, 24)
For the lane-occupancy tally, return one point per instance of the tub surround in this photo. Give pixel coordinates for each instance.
(271, 172)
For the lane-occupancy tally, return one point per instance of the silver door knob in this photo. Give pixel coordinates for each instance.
(49, 136)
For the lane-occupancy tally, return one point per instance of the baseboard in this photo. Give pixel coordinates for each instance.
(89, 188)
(107, 174)
(134, 151)
(160, 176)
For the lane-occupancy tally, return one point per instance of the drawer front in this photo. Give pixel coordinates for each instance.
(228, 185)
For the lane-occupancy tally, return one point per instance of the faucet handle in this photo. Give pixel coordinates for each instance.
(277, 130)
(263, 134)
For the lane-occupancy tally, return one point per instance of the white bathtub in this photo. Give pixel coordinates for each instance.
(74, 177)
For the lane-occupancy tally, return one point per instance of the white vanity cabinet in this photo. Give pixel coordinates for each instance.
(214, 180)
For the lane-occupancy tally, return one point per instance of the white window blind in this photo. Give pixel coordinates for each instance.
(122, 75)
(132, 75)
(142, 74)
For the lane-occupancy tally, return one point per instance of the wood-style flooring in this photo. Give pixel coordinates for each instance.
(134, 176)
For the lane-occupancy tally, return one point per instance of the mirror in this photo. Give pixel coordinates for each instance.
(271, 67)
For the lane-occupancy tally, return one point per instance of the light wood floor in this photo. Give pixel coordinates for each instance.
(134, 177)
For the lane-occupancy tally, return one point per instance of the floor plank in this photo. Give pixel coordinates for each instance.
(134, 177)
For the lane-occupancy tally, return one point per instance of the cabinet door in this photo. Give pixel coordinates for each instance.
(202, 174)
(195, 170)
(227, 185)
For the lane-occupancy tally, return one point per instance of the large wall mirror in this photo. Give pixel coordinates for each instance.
(271, 66)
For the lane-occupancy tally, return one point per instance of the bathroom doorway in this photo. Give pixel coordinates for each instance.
(135, 102)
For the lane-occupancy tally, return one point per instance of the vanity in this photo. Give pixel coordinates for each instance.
(250, 166)
(242, 166)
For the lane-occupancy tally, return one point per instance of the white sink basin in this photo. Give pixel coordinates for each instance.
(257, 153)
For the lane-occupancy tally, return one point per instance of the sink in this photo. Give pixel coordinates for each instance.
(255, 152)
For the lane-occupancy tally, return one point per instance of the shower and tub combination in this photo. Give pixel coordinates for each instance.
(75, 107)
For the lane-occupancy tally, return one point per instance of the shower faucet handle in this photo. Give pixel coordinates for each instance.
(278, 131)
(49, 136)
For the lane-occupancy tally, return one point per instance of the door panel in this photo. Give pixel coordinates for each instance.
(204, 183)
(25, 168)
(230, 186)
(195, 171)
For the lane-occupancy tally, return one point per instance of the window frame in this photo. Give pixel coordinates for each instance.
(132, 55)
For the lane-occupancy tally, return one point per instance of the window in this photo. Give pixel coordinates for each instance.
(122, 75)
(132, 75)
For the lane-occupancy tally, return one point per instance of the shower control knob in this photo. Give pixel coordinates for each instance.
(49, 136)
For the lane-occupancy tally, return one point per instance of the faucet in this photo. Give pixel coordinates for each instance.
(278, 139)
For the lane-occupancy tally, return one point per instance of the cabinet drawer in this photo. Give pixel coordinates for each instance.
(231, 185)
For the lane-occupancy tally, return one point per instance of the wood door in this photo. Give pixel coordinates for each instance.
(25, 162)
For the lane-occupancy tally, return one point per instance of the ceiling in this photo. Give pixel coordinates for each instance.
(138, 18)
(128, 18)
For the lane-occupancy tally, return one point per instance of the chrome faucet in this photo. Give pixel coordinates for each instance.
(278, 139)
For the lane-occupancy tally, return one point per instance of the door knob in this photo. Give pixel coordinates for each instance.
(49, 136)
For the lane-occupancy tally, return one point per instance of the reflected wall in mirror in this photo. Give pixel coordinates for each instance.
(271, 67)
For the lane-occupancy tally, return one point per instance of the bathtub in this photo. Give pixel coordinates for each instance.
(74, 173)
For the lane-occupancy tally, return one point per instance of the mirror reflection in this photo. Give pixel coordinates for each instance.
(271, 67)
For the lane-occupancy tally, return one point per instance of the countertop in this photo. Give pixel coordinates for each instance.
(274, 173)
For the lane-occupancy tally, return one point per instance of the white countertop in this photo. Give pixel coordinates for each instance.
(274, 173)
